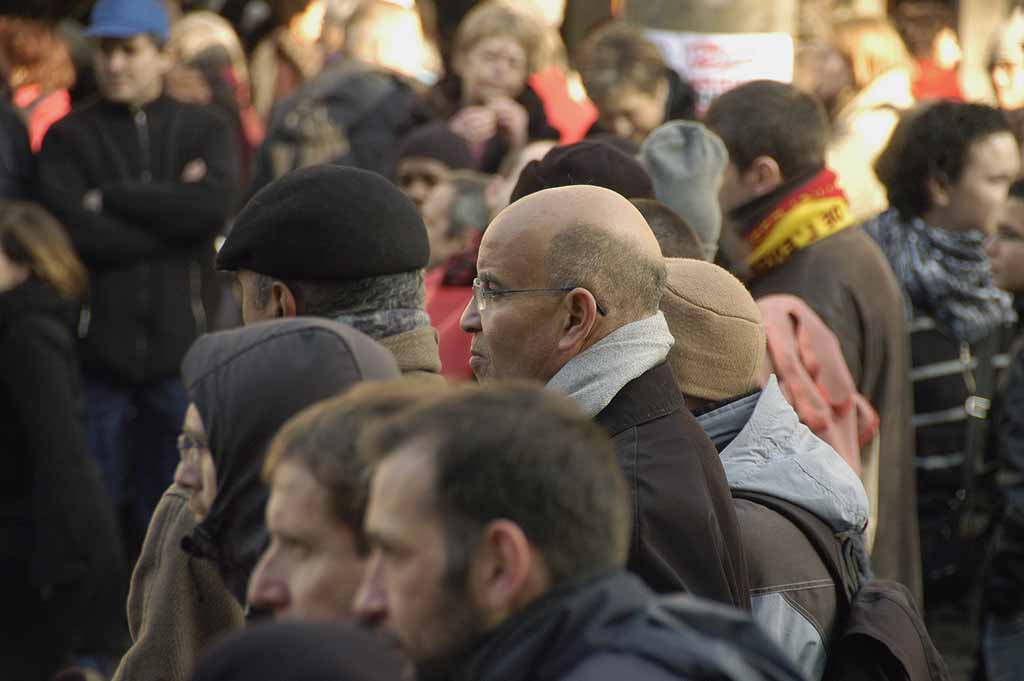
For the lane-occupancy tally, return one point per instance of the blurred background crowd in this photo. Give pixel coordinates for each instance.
(452, 100)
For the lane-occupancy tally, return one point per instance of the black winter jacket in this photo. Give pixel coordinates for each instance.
(685, 534)
(611, 627)
(55, 521)
(142, 249)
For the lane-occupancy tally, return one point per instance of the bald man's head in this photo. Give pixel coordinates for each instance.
(595, 239)
(560, 269)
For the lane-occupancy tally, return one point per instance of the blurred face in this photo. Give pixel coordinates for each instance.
(11, 273)
(130, 71)
(1008, 83)
(494, 67)
(407, 591)
(516, 336)
(312, 568)
(418, 176)
(1005, 247)
(437, 217)
(734, 191)
(975, 201)
(196, 471)
(632, 114)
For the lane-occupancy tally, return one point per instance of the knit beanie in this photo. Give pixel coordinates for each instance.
(720, 337)
(595, 163)
(437, 141)
(686, 162)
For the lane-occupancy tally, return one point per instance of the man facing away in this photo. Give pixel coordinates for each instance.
(788, 230)
(569, 281)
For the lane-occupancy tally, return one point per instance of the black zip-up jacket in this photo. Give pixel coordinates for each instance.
(142, 249)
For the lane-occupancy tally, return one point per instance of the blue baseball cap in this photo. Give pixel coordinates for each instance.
(127, 18)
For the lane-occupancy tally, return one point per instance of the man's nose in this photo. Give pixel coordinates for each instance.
(470, 320)
(622, 127)
(188, 476)
(267, 591)
(370, 604)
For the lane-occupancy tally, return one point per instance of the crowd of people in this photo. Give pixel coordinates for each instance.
(333, 346)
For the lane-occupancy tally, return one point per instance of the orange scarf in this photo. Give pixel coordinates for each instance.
(815, 210)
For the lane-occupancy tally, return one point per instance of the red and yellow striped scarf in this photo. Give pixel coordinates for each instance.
(815, 210)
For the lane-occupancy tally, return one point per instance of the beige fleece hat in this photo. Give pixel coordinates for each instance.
(720, 338)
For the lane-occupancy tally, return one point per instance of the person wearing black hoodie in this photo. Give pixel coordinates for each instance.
(60, 556)
(243, 385)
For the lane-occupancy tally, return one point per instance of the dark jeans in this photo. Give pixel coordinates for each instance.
(132, 435)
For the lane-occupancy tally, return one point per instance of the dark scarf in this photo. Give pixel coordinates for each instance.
(944, 274)
(791, 218)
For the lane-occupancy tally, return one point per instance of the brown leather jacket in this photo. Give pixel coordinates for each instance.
(685, 535)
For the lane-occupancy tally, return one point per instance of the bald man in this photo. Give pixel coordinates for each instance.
(569, 282)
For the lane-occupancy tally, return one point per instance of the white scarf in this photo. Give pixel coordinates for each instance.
(594, 377)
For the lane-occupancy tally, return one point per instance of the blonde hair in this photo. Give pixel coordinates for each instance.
(872, 46)
(30, 236)
(197, 32)
(496, 18)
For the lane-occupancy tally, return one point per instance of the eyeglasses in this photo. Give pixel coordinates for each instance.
(189, 446)
(481, 295)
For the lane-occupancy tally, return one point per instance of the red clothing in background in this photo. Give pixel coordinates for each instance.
(445, 304)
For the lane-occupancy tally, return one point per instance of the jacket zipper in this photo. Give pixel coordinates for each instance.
(142, 295)
(142, 130)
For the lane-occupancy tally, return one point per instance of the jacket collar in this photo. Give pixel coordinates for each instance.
(415, 350)
(652, 395)
(764, 448)
(550, 636)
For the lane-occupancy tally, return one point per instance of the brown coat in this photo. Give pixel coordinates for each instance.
(177, 605)
(685, 535)
(847, 281)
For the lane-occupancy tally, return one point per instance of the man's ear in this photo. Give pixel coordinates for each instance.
(938, 192)
(763, 175)
(283, 301)
(580, 310)
(504, 572)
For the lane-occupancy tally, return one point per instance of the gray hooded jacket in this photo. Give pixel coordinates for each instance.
(765, 449)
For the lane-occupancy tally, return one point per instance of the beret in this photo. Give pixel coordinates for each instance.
(438, 142)
(595, 163)
(327, 223)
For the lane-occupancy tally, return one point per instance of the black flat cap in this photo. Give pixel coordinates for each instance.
(436, 141)
(325, 223)
(586, 162)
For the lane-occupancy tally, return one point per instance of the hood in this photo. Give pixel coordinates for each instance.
(34, 296)
(245, 384)
(764, 448)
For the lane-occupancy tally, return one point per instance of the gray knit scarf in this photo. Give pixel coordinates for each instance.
(944, 274)
(594, 377)
(385, 323)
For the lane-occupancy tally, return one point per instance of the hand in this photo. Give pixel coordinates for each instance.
(475, 124)
(92, 201)
(194, 171)
(513, 119)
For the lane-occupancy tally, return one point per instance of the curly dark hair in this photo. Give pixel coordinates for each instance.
(932, 144)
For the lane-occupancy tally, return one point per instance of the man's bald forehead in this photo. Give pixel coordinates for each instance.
(560, 208)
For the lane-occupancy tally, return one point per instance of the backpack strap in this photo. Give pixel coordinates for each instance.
(977, 407)
(834, 550)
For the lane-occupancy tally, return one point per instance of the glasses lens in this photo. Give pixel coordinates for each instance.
(478, 295)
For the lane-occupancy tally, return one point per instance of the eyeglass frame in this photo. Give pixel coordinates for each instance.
(188, 443)
(480, 300)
